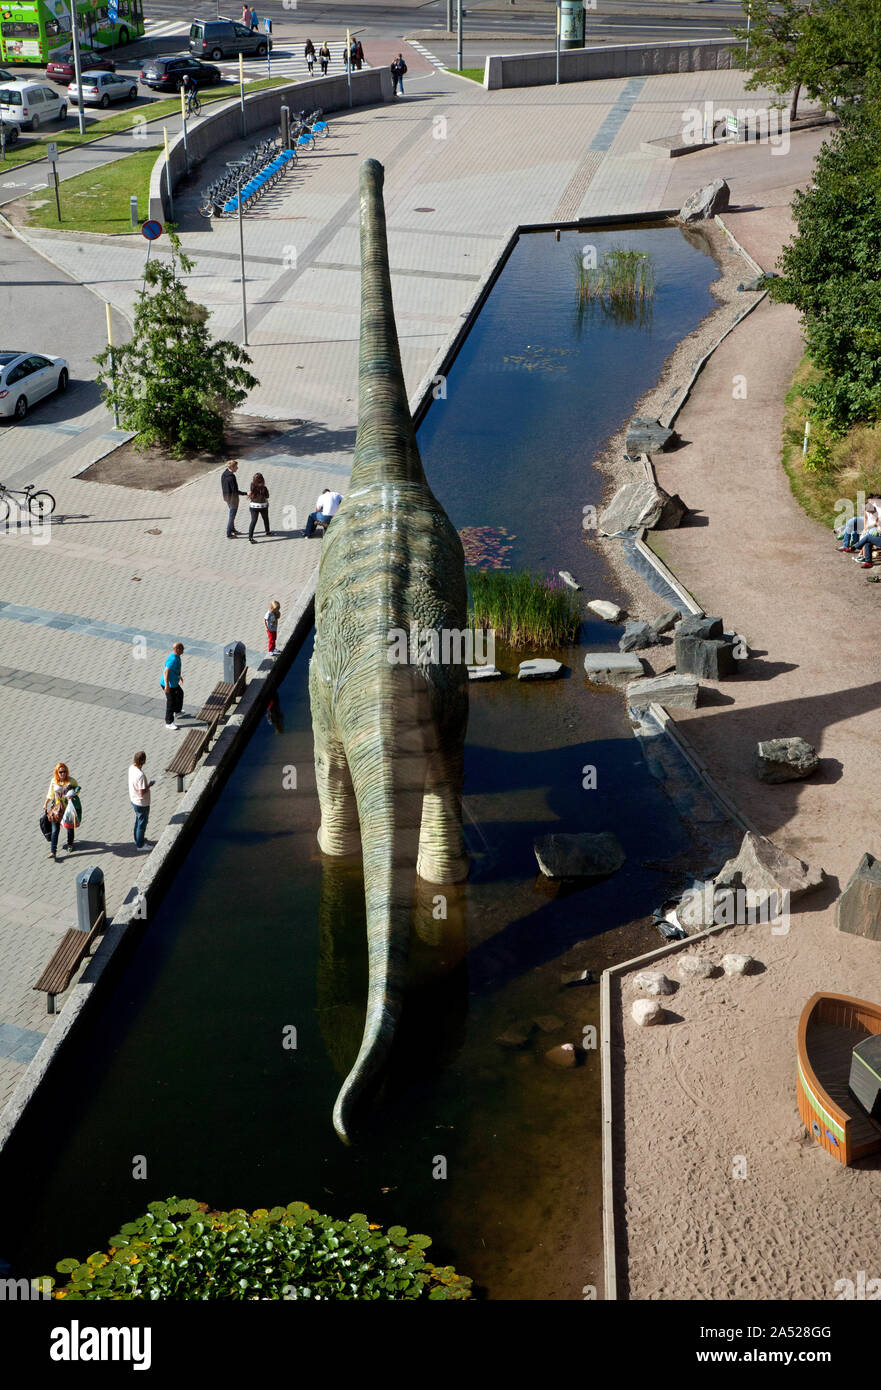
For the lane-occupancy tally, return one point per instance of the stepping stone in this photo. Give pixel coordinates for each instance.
(567, 579)
(580, 855)
(540, 668)
(681, 691)
(607, 610)
(484, 673)
(613, 668)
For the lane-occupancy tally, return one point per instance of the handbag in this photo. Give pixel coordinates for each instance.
(45, 827)
(54, 813)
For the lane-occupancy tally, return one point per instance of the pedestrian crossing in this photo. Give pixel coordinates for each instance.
(171, 29)
(425, 54)
(285, 62)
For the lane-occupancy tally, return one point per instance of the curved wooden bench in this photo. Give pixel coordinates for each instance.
(65, 961)
(186, 758)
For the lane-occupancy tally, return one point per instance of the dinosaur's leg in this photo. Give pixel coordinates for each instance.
(340, 831)
(442, 857)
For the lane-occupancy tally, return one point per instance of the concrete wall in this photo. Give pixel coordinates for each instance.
(224, 126)
(610, 60)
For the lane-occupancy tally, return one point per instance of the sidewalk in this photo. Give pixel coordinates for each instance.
(462, 166)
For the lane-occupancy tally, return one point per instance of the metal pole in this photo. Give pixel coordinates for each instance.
(242, 96)
(749, 17)
(168, 176)
(76, 68)
(57, 194)
(349, 62)
(183, 114)
(238, 169)
(449, 16)
(558, 8)
(112, 365)
(459, 34)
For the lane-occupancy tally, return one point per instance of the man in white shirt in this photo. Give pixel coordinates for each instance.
(326, 507)
(139, 794)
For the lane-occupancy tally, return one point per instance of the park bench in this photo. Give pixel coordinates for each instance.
(62, 967)
(187, 757)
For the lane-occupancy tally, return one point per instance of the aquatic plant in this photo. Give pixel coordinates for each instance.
(183, 1250)
(486, 547)
(524, 609)
(622, 285)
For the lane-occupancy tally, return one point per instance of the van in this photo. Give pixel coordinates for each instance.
(31, 103)
(226, 38)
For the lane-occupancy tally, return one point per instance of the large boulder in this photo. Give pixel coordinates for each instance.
(707, 658)
(707, 201)
(636, 634)
(785, 760)
(646, 436)
(641, 503)
(681, 691)
(579, 855)
(762, 868)
(613, 668)
(698, 625)
(858, 910)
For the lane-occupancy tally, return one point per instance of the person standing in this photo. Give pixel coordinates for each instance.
(309, 55)
(246, 16)
(324, 58)
(399, 67)
(139, 794)
(258, 501)
(229, 486)
(270, 622)
(353, 55)
(255, 22)
(62, 807)
(326, 507)
(359, 55)
(173, 686)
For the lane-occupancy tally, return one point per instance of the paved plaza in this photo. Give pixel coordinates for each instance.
(87, 619)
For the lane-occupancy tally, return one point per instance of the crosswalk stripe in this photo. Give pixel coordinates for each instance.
(425, 54)
(154, 30)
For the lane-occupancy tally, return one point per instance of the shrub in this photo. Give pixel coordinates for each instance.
(183, 1250)
(523, 609)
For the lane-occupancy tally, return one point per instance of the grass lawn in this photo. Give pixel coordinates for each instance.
(98, 201)
(833, 469)
(476, 74)
(30, 147)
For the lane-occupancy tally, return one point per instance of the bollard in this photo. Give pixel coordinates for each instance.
(133, 207)
(89, 898)
(286, 127)
(233, 661)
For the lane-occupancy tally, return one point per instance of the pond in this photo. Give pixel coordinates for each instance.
(182, 1082)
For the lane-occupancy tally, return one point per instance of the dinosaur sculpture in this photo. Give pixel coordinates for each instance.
(389, 735)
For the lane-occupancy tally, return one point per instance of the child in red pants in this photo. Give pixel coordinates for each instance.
(270, 622)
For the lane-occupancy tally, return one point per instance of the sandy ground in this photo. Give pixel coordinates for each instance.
(725, 1195)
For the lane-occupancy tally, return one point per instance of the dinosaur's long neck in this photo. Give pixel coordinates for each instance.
(385, 448)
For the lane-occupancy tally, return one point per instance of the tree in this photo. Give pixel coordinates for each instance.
(831, 271)
(776, 53)
(828, 47)
(173, 384)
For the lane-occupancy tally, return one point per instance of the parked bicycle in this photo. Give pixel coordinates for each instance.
(37, 501)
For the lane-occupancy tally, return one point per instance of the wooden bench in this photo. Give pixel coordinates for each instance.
(59, 972)
(187, 757)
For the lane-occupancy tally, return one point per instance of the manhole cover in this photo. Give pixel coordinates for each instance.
(136, 579)
(424, 209)
(154, 531)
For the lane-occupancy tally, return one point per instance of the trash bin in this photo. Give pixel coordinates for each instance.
(89, 897)
(233, 661)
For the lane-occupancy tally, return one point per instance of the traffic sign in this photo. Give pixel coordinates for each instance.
(112, 10)
(151, 230)
(52, 151)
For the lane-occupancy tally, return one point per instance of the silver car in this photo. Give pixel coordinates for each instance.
(100, 88)
(26, 377)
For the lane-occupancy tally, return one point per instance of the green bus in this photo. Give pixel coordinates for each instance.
(35, 31)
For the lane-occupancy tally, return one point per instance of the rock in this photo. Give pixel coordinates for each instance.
(697, 625)
(646, 1012)
(653, 982)
(516, 1037)
(578, 977)
(567, 579)
(763, 869)
(540, 668)
(673, 511)
(696, 968)
(697, 907)
(566, 1055)
(580, 855)
(483, 673)
(858, 910)
(707, 658)
(706, 202)
(646, 436)
(665, 621)
(737, 965)
(681, 691)
(548, 1023)
(636, 504)
(760, 282)
(635, 635)
(613, 668)
(785, 760)
(604, 609)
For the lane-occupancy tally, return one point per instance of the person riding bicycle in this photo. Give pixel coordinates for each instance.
(188, 83)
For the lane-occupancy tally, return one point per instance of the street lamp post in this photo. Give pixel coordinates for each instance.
(558, 8)
(459, 35)
(76, 67)
(749, 17)
(238, 166)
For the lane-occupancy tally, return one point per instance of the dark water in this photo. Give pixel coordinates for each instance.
(493, 1153)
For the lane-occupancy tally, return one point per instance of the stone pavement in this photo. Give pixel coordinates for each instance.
(90, 616)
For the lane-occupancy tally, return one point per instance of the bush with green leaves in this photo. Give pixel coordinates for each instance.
(179, 1249)
(174, 384)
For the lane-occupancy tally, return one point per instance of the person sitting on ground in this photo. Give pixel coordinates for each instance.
(857, 524)
(869, 538)
(326, 507)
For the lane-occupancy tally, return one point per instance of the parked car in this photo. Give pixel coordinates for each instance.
(100, 88)
(28, 377)
(10, 133)
(166, 74)
(7, 76)
(31, 103)
(226, 38)
(62, 69)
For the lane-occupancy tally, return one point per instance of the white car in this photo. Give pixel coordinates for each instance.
(100, 88)
(26, 377)
(31, 103)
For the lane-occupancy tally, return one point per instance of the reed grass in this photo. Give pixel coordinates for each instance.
(524, 609)
(623, 285)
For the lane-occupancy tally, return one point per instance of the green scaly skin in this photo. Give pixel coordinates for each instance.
(389, 738)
